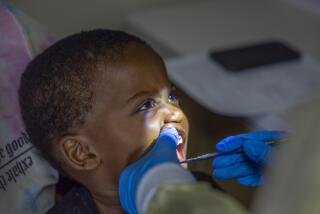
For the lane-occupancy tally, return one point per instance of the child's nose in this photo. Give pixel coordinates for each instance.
(172, 114)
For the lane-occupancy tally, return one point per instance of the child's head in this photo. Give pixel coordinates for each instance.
(95, 101)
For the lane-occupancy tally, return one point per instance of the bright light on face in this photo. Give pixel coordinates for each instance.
(161, 110)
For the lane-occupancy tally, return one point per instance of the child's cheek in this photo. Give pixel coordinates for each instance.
(152, 129)
(152, 133)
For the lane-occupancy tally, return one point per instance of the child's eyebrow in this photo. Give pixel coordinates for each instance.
(139, 94)
(146, 93)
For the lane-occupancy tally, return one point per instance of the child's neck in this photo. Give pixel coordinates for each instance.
(107, 201)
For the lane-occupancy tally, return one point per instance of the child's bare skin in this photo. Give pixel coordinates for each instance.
(132, 103)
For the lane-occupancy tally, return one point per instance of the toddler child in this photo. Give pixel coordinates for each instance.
(93, 103)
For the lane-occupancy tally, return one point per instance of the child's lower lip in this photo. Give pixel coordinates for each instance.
(181, 155)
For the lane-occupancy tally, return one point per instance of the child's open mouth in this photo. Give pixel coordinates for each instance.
(180, 149)
(181, 144)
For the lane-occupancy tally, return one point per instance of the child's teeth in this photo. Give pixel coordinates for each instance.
(179, 140)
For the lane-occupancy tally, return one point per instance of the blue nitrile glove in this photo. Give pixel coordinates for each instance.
(245, 166)
(164, 151)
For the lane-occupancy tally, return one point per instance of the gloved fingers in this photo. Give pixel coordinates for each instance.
(235, 171)
(265, 135)
(229, 160)
(235, 142)
(164, 149)
(257, 151)
(251, 180)
(168, 138)
(169, 135)
(229, 144)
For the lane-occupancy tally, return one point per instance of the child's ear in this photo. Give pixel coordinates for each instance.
(78, 153)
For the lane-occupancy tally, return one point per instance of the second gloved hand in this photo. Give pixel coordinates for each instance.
(163, 151)
(245, 166)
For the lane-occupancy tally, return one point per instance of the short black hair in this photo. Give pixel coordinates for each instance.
(56, 89)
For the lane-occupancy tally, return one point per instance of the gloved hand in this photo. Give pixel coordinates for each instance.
(245, 166)
(164, 151)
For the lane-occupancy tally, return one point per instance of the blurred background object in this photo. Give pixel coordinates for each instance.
(71, 16)
(294, 181)
(27, 182)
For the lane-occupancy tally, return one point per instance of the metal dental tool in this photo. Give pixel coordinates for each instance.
(215, 154)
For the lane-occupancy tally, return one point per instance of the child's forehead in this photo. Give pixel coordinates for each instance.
(138, 62)
(140, 68)
(135, 75)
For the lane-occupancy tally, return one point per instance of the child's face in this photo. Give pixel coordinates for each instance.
(133, 102)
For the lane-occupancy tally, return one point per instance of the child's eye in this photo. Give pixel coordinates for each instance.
(150, 103)
(172, 97)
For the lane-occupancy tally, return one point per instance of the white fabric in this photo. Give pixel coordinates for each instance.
(26, 180)
(267, 89)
